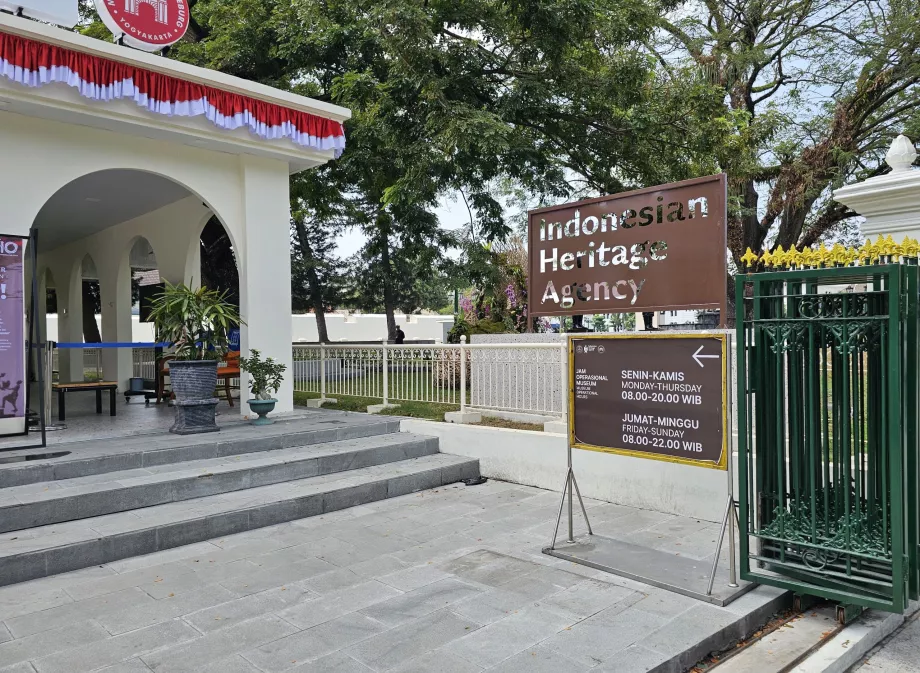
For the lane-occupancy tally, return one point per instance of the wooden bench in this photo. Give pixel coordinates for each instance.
(230, 369)
(97, 386)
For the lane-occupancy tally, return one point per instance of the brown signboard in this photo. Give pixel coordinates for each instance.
(647, 250)
(653, 396)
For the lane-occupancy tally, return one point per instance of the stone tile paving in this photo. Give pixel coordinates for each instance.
(449, 580)
(900, 653)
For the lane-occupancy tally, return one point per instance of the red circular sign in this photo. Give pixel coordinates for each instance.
(146, 24)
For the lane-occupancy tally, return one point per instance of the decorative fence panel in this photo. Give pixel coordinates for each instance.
(144, 361)
(527, 378)
(92, 364)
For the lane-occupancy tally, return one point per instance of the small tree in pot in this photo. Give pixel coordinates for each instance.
(265, 378)
(196, 325)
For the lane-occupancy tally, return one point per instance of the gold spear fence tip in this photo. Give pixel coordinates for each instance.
(749, 258)
(884, 250)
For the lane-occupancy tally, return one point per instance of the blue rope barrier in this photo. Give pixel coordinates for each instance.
(113, 344)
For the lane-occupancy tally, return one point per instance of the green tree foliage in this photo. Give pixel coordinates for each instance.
(564, 98)
(814, 91)
(319, 211)
(195, 322)
(219, 270)
(451, 95)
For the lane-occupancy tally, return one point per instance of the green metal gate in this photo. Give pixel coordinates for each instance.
(828, 431)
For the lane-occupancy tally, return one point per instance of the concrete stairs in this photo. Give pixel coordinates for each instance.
(91, 510)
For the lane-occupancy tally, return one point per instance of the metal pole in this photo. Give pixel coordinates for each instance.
(48, 364)
(582, 503)
(559, 516)
(728, 522)
(715, 561)
(569, 479)
(322, 372)
(36, 330)
(564, 381)
(732, 576)
(386, 375)
(462, 373)
(563, 393)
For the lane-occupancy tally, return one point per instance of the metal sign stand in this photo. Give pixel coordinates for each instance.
(647, 565)
(730, 520)
(570, 485)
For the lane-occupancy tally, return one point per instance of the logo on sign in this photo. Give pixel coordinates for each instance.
(161, 7)
(146, 24)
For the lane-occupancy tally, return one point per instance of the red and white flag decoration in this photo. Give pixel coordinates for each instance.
(35, 64)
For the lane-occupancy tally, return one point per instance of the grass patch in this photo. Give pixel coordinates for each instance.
(494, 422)
(426, 410)
(429, 411)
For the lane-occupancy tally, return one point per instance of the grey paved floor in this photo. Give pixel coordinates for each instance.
(900, 653)
(449, 580)
(83, 423)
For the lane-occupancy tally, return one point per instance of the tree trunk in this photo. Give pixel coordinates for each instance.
(90, 328)
(388, 300)
(318, 308)
(316, 288)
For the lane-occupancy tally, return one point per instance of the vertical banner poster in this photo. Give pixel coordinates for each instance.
(12, 342)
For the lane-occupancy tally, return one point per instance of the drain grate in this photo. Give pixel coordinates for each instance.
(331, 423)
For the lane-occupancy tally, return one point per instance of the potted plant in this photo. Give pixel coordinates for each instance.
(264, 379)
(195, 324)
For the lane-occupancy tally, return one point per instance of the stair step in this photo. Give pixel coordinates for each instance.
(121, 453)
(45, 503)
(59, 548)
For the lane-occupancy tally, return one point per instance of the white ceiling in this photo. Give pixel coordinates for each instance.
(101, 200)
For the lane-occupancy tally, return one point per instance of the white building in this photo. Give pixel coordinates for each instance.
(340, 326)
(106, 150)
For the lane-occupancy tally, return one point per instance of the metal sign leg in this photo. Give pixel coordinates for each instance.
(570, 485)
(582, 503)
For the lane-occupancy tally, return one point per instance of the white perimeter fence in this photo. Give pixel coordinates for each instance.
(522, 378)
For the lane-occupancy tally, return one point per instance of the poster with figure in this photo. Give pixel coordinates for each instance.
(12, 342)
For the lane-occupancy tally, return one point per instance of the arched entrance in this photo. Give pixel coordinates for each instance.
(115, 235)
(219, 266)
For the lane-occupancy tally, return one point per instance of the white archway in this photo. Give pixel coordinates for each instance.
(105, 213)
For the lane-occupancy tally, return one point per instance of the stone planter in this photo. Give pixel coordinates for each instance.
(193, 383)
(262, 408)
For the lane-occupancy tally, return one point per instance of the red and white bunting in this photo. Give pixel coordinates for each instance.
(35, 64)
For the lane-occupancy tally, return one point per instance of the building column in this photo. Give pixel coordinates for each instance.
(115, 290)
(264, 256)
(69, 288)
(889, 203)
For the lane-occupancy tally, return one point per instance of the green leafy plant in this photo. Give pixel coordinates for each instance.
(196, 323)
(264, 375)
